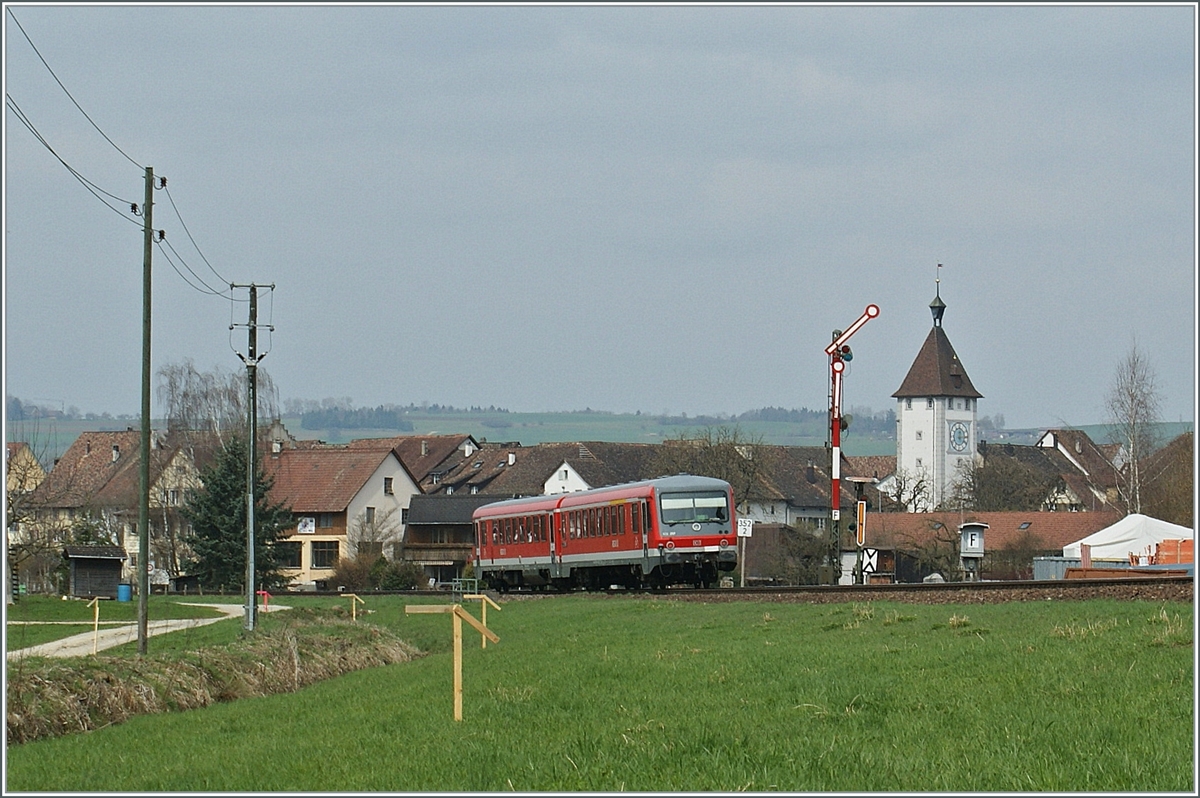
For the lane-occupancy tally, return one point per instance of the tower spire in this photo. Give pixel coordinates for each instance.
(937, 307)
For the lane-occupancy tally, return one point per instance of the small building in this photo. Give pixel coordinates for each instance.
(94, 570)
(440, 535)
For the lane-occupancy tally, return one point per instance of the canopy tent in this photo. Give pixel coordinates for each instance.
(1133, 534)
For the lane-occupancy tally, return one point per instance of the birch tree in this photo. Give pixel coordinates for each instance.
(1133, 405)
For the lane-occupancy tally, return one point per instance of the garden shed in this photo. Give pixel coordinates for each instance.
(94, 570)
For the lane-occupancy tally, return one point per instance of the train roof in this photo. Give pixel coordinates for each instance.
(679, 482)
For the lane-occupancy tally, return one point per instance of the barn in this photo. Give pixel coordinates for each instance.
(94, 570)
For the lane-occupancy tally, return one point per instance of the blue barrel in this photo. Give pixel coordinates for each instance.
(124, 592)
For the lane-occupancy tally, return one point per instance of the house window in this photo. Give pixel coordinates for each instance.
(403, 515)
(449, 489)
(288, 553)
(325, 520)
(370, 548)
(562, 475)
(908, 404)
(370, 515)
(929, 403)
(920, 435)
(324, 553)
(173, 498)
(919, 463)
(387, 486)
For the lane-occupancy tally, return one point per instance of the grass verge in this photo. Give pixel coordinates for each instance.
(290, 650)
(604, 694)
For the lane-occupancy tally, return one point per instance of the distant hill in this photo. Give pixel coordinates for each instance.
(872, 435)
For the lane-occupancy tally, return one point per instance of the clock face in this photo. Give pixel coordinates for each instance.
(959, 436)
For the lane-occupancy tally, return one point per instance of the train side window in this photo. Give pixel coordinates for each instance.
(636, 510)
(621, 519)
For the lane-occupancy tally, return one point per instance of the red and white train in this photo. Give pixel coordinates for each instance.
(672, 530)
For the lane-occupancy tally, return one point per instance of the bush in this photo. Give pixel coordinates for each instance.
(376, 572)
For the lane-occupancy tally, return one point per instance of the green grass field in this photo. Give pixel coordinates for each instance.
(594, 693)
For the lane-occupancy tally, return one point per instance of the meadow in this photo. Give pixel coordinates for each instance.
(616, 693)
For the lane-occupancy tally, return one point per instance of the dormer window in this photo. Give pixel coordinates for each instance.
(116, 454)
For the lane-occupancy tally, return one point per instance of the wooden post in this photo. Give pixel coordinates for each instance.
(354, 602)
(457, 666)
(459, 615)
(483, 602)
(95, 603)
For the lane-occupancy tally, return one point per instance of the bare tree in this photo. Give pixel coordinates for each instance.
(908, 490)
(999, 483)
(1168, 482)
(1133, 404)
(721, 452)
(372, 535)
(212, 402)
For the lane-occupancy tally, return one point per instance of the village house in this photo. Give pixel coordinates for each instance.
(92, 495)
(346, 500)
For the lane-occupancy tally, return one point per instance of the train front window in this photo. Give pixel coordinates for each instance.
(699, 507)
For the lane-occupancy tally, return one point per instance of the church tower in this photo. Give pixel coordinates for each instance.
(935, 417)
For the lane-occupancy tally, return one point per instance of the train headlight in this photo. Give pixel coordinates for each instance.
(670, 544)
(724, 543)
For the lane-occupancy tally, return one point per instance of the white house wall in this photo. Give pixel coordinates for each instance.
(564, 480)
(372, 495)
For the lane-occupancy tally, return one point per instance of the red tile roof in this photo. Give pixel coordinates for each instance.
(323, 480)
(1046, 531)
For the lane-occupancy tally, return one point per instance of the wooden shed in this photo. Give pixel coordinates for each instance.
(94, 570)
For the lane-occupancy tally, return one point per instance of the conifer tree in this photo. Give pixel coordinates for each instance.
(217, 513)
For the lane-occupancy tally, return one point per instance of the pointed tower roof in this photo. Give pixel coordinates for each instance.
(937, 371)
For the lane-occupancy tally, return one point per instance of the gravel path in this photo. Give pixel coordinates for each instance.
(81, 645)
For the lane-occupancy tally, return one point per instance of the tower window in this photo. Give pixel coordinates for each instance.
(929, 403)
(908, 404)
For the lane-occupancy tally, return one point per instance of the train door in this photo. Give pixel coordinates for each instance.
(557, 542)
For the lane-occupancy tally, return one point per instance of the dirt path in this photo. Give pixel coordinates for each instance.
(81, 645)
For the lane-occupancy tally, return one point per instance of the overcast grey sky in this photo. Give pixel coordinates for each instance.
(623, 208)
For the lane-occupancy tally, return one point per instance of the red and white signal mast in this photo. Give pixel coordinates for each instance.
(839, 353)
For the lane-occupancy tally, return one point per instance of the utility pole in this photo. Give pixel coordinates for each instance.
(839, 353)
(251, 359)
(144, 494)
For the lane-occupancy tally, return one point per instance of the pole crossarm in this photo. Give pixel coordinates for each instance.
(452, 609)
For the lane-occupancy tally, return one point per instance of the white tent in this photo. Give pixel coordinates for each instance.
(1133, 534)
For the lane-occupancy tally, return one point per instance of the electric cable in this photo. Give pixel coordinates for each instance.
(95, 190)
(64, 88)
(190, 238)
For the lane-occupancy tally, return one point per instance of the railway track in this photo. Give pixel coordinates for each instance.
(1145, 588)
(1154, 588)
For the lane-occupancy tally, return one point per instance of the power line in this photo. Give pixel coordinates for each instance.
(95, 190)
(64, 88)
(203, 288)
(189, 235)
